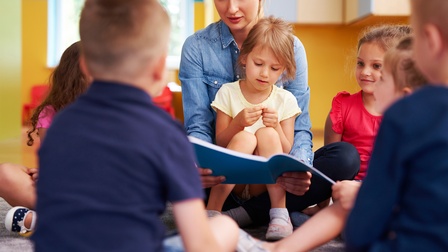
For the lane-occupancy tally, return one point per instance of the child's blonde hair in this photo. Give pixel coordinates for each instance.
(275, 34)
(385, 36)
(398, 61)
(122, 37)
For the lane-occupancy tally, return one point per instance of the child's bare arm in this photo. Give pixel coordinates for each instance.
(227, 127)
(311, 234)
(329, 135)
(198, 233)
(345, 192)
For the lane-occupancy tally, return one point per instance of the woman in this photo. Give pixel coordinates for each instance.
(208, 61)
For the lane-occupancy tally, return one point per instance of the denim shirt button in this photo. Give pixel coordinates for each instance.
(237, 76)
(236, 51)
(216, 82)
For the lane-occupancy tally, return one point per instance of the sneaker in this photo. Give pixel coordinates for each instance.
(15, 220)
(247, 243)
(278, 229)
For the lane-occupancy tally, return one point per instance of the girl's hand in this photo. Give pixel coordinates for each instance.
(34, 173)
(248, 116)
(346, 191)
(270, 117)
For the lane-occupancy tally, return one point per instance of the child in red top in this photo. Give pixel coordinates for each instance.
(353, 117)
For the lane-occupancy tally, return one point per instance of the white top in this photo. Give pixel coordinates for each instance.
(230, 100)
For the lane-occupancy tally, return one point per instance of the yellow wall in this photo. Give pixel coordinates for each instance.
(34, 45)
(330, 53)
(329, 48)
(10, 69)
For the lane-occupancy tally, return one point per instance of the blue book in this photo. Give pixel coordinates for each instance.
(241, 168)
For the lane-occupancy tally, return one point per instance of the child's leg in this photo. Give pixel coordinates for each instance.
(280, 224)
(218, 195)
(17, 186)
(318, 230)
(244, 142)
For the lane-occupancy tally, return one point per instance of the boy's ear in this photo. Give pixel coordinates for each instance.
(83, 66)
(434, 39)
(160, 69)
(407, 91)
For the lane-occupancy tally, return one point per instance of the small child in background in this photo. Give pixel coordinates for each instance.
(112, 160)
(399, 78)
(254, 116)
(17, 183)
(353, 117)
(402, 203)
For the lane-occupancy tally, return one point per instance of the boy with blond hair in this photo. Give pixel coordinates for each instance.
(112, 159)
(401, 205)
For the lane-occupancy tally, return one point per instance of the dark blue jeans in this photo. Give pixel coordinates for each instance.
(339, 161)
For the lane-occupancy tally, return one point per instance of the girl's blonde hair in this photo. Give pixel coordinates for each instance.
(385, 36)
(398, 61)
(275, 34)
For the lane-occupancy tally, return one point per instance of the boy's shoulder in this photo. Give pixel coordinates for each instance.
(419, 111)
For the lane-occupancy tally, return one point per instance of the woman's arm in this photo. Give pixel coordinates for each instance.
(302, 147)
(198, 115)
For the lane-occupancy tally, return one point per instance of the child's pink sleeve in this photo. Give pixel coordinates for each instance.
(45, 117)
(337, 112)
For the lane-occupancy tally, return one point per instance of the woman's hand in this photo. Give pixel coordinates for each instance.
(208, 180)
(296, 183)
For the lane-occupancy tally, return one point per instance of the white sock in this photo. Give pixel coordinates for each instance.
(279, 216)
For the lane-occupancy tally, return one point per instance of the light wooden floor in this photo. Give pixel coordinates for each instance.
(16, 151)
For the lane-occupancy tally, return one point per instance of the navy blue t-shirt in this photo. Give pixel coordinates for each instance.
(403, 201)
(108, 165)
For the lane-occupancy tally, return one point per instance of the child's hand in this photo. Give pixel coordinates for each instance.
(34, 173)
(346, 191)
(270, 117)
(248, 116)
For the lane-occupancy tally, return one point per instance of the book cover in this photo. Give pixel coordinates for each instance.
(240, 168)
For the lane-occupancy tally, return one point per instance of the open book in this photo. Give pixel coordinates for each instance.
(240, 168)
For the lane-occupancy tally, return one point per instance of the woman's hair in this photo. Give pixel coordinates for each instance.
(275, 34)
(67, 82)
(385, 36)
(398, 61)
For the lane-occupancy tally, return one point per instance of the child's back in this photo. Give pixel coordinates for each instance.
(112, 159)
(108, 172)
(401, 205)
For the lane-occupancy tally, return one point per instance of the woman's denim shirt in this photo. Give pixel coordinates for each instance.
(209, 60)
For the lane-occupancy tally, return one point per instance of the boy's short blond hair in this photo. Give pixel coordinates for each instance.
(433, 11)
(399, 62)
(122, 36)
